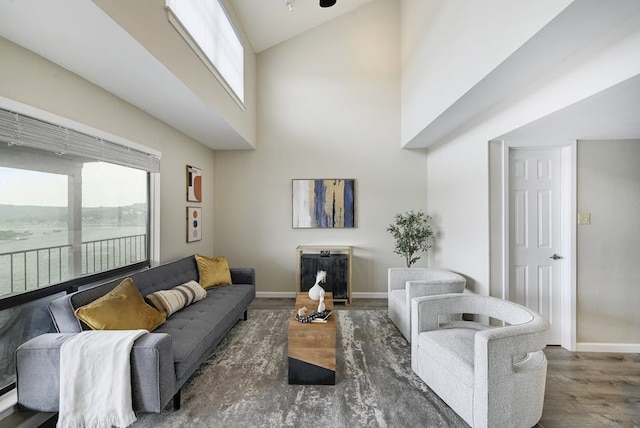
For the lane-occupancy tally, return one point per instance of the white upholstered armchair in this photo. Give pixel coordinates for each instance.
(492, 376)
(405, 284)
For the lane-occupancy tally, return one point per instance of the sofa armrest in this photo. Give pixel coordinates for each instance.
(38, 372)
(504, 359)
(153, 376)
(512, 341)
(243, 276)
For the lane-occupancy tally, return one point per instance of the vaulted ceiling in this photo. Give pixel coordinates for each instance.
(269, 22)
(81, 37)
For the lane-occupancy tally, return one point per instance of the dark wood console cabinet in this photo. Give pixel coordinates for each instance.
(336, 261)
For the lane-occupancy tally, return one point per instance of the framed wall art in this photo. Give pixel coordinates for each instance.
(323, 203)
(194, 224)
(194, 184)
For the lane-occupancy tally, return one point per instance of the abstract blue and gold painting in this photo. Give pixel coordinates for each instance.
(326, 203)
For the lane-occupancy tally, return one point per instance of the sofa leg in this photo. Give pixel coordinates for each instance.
(176, 400)
(246, 314)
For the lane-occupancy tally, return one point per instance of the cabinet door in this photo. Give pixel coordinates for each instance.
(337, 268)
(308, 270)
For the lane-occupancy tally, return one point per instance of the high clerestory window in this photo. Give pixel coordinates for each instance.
(206, 26)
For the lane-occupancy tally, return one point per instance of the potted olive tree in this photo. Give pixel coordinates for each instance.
(412, 234)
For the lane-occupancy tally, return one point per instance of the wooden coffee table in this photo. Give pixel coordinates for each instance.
(312, 346)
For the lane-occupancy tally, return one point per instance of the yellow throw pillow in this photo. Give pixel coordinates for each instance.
(123, 308)
(213, 271)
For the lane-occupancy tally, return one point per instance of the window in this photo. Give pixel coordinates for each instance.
(71, 204)
(207, 28)
(42, 243)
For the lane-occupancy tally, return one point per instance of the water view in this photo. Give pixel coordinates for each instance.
(104, 247)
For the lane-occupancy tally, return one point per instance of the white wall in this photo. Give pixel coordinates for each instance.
(460, 162)
(449, 46)
(608, 269)
(32, 80)
(458, 199)
(328, 107)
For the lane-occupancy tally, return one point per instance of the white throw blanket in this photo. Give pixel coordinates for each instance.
(95, 379)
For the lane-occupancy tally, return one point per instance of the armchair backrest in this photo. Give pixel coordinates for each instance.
(398, 277)
(504, 310)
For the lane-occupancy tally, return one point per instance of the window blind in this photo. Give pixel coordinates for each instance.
(20, 130)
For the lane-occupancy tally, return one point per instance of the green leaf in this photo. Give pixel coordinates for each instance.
(412, 234)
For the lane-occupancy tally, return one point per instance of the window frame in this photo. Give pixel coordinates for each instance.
(204, 57)
(153, 208)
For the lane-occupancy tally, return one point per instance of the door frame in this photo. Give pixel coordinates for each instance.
(499, 226)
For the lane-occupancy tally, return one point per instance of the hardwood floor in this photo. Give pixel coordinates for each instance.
(584, 389)
(591, 389)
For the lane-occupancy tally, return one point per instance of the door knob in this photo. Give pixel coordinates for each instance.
(556, 257)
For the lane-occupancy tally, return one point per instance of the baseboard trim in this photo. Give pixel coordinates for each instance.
(372, 295)
(276, 294)
(292, 294)
(628, 348)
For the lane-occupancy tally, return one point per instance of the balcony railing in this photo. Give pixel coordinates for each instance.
(39, 275)
(29, 269)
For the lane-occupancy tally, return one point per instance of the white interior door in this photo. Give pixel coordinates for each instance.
(536, 262)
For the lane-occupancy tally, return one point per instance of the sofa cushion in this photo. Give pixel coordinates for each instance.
(123, 308)
(166, 276)
(171, 301)
(213, 271)
(162, 277)
(453, 348)
(197, 329)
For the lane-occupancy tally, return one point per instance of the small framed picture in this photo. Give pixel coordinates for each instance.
(194, 184)
(194, 224)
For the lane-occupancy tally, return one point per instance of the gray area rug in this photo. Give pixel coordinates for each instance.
(244, 383)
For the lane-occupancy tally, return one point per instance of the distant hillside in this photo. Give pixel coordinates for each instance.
(15, 215)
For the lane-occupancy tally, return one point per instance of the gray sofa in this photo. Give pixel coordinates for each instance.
(161, 361)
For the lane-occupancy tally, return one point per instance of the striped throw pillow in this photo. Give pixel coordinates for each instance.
(171, 301)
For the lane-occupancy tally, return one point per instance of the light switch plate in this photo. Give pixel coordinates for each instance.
(584, 218)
